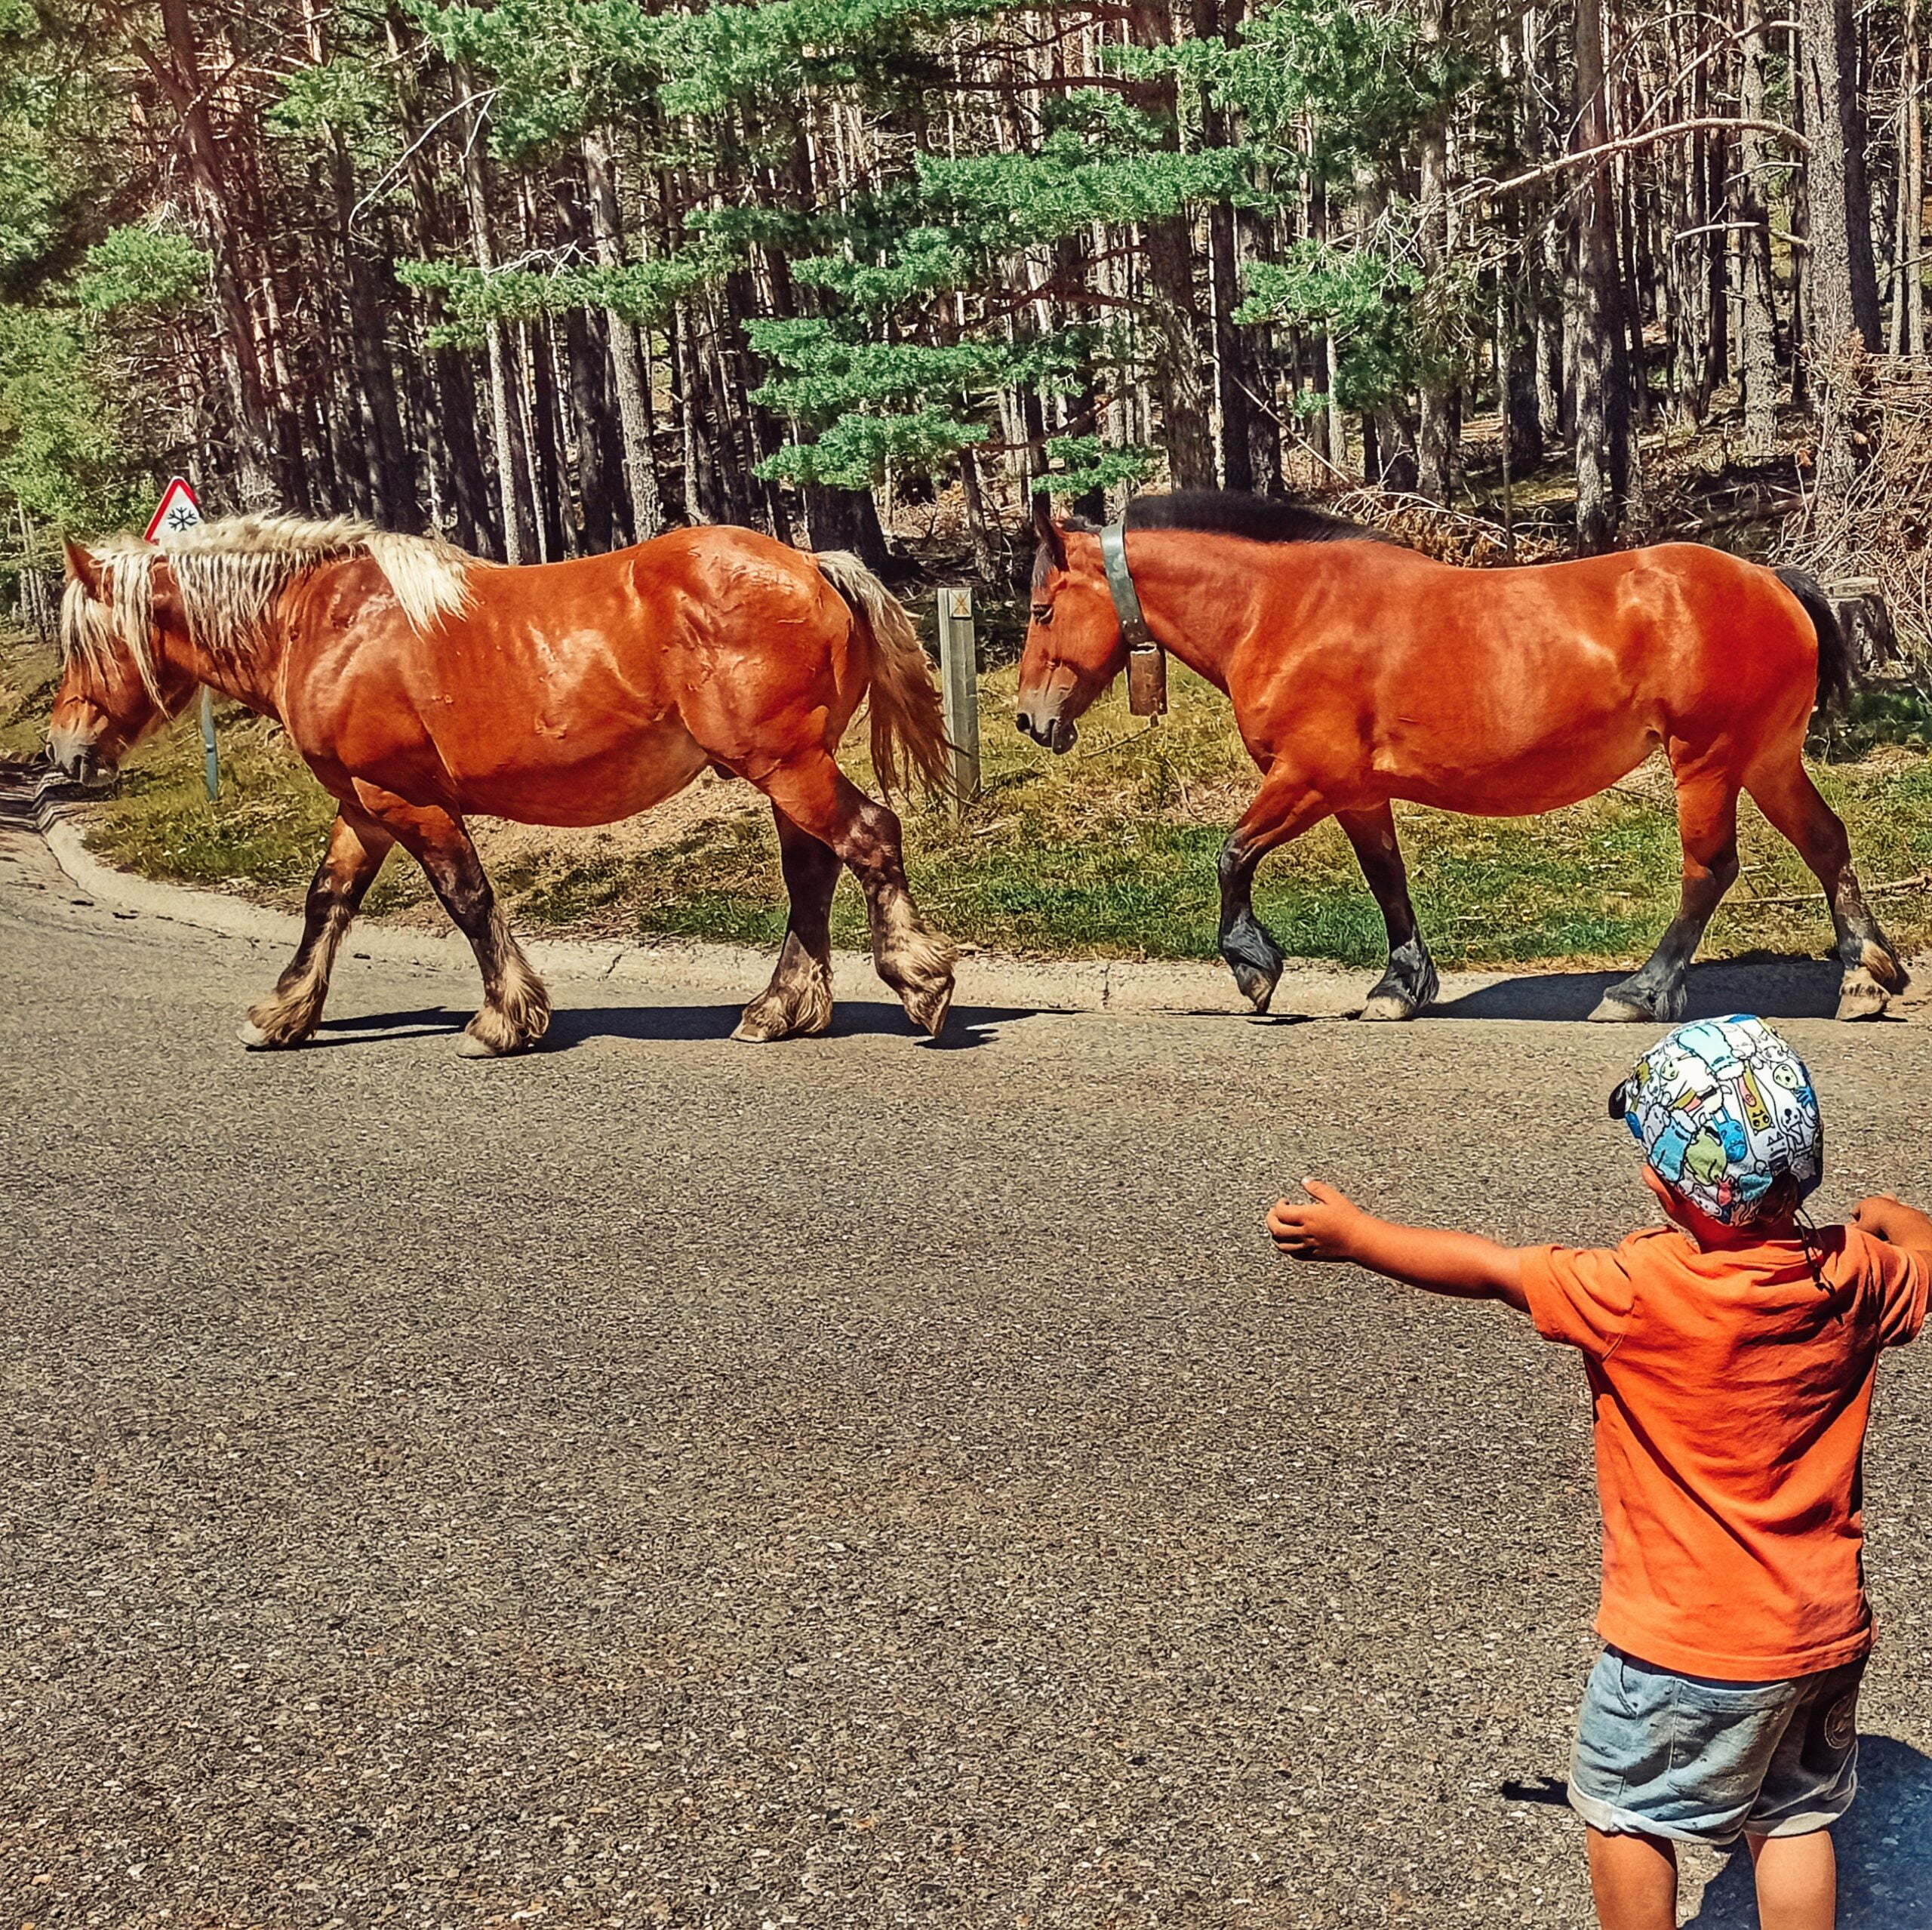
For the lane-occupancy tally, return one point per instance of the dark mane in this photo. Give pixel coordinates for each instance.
(1224, 512)
(1229, 513)
(1257, 519)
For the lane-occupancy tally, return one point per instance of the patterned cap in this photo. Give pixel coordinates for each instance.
(1724, 1109)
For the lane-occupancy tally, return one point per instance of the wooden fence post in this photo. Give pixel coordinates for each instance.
(959, 684)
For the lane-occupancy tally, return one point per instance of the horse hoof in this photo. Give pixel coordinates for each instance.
(928, 1010)
(259, 1039)
(1613, 1011)
(762, 1031)
(1389, 1006)
(469, 1045)
(1861, 996)
(1257, 991)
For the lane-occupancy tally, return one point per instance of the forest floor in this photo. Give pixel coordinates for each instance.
(1108, 851)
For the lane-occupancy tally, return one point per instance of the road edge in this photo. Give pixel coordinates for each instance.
(1073, 985)
(1308, 989)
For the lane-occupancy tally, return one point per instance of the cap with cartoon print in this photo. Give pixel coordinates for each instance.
(1725, 1110)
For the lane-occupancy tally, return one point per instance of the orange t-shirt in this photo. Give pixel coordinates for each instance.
(1732, 1393)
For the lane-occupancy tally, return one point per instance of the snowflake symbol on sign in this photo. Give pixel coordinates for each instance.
(181, 517)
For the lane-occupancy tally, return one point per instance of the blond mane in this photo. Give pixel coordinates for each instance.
(229, 574)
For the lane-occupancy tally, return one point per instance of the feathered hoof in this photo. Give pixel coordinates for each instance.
(766, 1021)
(800, 1007)
(1861, 996)
(927, 1007)
(1388, 1008)
(1613, 1011)
(491, 1035)
(1256, 987)
(261, 1039)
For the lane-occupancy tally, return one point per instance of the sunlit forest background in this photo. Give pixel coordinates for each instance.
(551, 275)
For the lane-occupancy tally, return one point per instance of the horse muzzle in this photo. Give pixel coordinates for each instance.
(77, 760)
(1056, 733)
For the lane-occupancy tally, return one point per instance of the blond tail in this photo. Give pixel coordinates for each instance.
(908, 729)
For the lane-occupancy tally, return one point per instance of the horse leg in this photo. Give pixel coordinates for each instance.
(516, 1008)
(357, 847)
(1282, 808)
(1707, 826)
(1783, 791)
(797, 1002)
(819, 798)
(1410, 983)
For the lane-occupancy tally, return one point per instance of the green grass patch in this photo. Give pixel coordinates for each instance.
(1109, 851)
(29, 674)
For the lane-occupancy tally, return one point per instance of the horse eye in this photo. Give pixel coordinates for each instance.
(1043, 613)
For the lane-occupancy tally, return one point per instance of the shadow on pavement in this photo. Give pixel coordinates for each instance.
(1885, 1847)
(1773, 987)
(970, 1026)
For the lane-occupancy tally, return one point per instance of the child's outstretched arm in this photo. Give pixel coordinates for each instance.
(1327, 1225)
(1893, 1221)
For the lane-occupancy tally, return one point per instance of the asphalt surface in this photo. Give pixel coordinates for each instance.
(845, 1483)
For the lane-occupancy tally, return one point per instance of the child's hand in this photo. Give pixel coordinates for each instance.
(1318, 1227)
(1892, 1221)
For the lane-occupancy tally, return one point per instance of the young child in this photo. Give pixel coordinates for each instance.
(1730, 1357)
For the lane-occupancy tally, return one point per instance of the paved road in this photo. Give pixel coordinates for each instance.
(843, 1484)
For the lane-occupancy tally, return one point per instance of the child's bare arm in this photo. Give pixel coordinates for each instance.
(1892, 1221)
(1327, 1225)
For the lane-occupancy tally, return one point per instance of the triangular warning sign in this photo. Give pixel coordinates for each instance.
(179, 510)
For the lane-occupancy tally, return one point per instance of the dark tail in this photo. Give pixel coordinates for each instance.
(1834, 647)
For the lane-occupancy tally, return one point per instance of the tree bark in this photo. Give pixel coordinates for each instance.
(630, 376)
(1758, 315)
(180, 78)
(1840, 272)
(1600, 398)
(392, 470)
(1844, 278)
(1172, 304)
(1436, 439)
(519, 532)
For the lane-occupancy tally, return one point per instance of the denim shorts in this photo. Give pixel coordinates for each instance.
(1703, 1762)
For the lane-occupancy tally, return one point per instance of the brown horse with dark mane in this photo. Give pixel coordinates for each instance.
(420, 684)
(1362, 673)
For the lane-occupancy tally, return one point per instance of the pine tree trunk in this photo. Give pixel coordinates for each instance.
(1845, 279)
(1232, 409)
(398, 505)
(1840, 223)
(1596, 316)
(1909, 281)
(188, 91)
(519, 532)
(1758, 319)
(1172, 305)
(1435, 428)
(630, 376)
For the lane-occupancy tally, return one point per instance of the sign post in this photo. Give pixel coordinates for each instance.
(178, 510)
(959, 684)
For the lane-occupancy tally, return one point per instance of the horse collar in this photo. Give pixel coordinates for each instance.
(1147, 661)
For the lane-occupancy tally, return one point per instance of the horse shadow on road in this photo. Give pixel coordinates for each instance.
(1773, 987)
(571, 1025)
(1885, 1851)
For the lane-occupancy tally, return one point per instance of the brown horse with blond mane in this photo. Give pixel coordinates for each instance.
(420, 684)
(1362, 673)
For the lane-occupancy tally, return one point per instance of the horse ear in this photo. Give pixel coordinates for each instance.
(1048, 532)
(83, 566)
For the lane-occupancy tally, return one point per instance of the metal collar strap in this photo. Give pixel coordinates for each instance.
(1146, 662)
